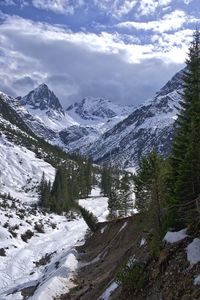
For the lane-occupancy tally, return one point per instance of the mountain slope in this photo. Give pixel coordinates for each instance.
(74, 129)
(104, 131)
(37, 248)
(97, 109)
(149, 126)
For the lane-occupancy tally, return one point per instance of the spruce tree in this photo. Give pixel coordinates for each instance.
(59, 192)
(185, 158)
(106, 180)
(114, 203)
(150, 192)
(126, 194)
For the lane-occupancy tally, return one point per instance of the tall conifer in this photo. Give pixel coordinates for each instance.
(185, 158)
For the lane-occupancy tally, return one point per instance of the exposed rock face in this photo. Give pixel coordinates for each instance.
(102, 130)
(150, 126)
(42, 98)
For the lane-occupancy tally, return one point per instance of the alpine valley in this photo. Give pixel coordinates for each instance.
(40, 247)
(99, 129)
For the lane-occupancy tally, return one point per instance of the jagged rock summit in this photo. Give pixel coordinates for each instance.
(42, 98)
(102, 130)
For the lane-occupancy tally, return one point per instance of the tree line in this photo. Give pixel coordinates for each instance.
(167, 190)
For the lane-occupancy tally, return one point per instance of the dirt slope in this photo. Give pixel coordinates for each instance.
(112, 244)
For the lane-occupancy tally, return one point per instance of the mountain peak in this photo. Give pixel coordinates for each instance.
(91, 108)
(42, 98)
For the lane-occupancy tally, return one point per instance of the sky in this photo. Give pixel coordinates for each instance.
(122, 50)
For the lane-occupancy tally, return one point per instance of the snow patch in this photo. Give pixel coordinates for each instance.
(123, 226)
(106, 295)
(103, 229)
(143, 242)
(197, 280)
(193, 251)
(176, 236)
(97, 204)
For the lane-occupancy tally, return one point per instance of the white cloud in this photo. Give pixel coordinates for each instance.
(82, 64)
(58, 6)
(169, 22)
(116, 8)
(147, 7)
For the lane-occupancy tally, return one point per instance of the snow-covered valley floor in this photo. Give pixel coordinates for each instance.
(37, 250)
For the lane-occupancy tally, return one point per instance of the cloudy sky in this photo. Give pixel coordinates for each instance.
(123, 50)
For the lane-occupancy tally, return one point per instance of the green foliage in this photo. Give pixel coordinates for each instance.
(185, 158)
(89, 218)
(106, 180)
(150, 193)
(132, 276)
(126, 194)
(114, 203)
(59, 192)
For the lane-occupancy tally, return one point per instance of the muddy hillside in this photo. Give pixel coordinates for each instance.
(167, 276)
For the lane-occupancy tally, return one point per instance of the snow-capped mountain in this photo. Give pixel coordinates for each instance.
(74, 129)
(44, 99)
(97, 109)
(149, 126)
(100, 129)
(37, 248)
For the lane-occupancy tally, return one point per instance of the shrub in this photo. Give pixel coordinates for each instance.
(132, 275)
(39, 227)
(27, 235)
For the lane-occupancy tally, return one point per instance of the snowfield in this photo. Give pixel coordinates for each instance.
(97, 204)
(21, 171)
(37, 249)
(44, 259)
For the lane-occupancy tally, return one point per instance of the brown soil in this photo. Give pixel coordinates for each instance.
(103, 254)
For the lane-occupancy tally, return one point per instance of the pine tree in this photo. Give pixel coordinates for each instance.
(185, 158)
(126, 194)
(106, 180)
(44, 192)
(114, 203)
(150, 197)
(59, 192)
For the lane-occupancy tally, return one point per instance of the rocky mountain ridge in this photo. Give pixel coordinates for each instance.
(100, 129)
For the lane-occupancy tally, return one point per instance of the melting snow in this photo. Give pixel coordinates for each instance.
(197, 280)
(143, 242)
(106, 295)
(103, 229)
(176, 236)
(20, 267)
(123, 226)
(193, 252)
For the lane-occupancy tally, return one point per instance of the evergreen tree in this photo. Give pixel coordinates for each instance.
(106, 180)
(59, 192)
(114, 204)
(90, 219)
(185, 158)
(126, 194)
(44, 192)
(150, 197)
